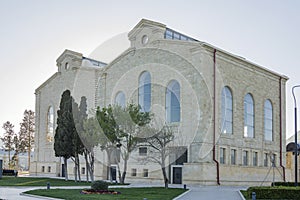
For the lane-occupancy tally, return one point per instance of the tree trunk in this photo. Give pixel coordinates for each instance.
(29, 146)
(86, 165)
(108, 151)
(9, 159)
(166, 181)
(17, 161)
(78, 167)
(119, 173)
(75, 172)
(29, 151)
(91, 167)
(66, 168)
(163, 168)
(124, 170)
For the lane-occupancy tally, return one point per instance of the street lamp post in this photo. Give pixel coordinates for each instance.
(296, 142)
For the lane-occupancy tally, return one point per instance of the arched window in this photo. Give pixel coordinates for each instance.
(173, 102)
(248, 116)
(226, 123)
(268, 120)
(50, 124)
(145, 91)
(120, 99)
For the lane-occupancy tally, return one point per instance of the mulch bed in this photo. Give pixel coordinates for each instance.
(90, 191)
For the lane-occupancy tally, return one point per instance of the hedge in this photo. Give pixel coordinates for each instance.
(285, 184)
(277, 192)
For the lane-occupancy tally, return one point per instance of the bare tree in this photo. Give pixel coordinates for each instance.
(158, 147)
(26, 135)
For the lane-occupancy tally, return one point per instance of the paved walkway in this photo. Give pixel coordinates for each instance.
(212, 193)
(196, 192)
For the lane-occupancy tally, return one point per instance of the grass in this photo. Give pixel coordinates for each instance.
(154, 193)
(32, 181)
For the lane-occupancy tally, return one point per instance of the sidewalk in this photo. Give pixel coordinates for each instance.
(212, 192)
(196, 192)
(14, 193)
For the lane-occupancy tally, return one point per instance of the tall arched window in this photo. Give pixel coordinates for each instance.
(120, 99)
(248, 116)
(145, 91)
(226, 123)
(268, 120)
(50, 124)
(173, 102)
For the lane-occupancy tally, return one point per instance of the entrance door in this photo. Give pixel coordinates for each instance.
(177, 175)
(113, 173)
(63, 170)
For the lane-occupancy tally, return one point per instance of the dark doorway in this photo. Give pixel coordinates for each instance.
(177, 175)
(113, 173)
(63, 170)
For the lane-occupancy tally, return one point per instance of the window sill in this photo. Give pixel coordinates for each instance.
(269, 142)
(225, 135)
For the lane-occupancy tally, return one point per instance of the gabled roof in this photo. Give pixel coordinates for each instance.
(149, 23)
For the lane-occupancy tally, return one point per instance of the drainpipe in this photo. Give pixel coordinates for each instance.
(105, 76)
(280, 129)
(214, 117)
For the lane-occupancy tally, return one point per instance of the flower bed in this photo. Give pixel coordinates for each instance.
(91, 191)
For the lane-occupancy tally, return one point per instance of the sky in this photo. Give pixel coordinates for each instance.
(33, 34)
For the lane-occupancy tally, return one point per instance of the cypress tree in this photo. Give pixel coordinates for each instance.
(64, 133)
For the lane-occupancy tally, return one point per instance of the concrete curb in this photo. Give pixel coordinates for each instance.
(241, 195)
(182, 194)
(40, 197)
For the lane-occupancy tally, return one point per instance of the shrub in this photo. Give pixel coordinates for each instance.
(100, 185)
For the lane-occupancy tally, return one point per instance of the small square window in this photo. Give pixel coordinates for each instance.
(83, 170)
(143, 151)
(145, 173)
(133, 172)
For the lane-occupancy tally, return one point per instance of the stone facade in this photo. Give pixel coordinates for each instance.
(202, 72)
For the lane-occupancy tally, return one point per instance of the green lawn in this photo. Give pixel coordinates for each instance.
(32, 181)
(126, 193)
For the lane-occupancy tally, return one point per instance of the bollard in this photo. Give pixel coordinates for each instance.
(184, 186)
(253, 196)
(48, 186)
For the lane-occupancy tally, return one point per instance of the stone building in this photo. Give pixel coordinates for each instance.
(228, 114)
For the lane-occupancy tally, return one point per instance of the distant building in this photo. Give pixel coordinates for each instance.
(290, 157)
(22, 159)
(228, 113)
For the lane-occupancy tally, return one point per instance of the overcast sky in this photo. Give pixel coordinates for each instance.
(33, 33)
